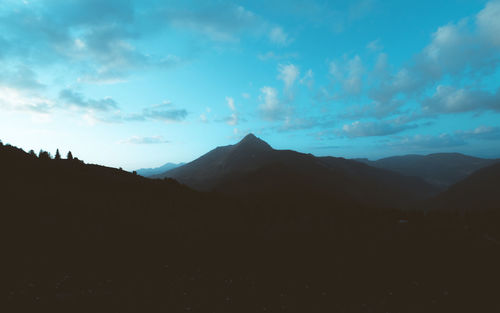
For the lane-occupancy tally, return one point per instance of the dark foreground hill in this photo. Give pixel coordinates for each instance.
(253, 168)
(86, 238)
(439, 169)
(479, 191)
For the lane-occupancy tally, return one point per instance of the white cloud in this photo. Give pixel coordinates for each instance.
(374, 45)
(245, 95)
(271, 108)
(463, 50)
(308, 79)
(481, 132)
(203, 118)
(353, 83)
(271, 55)
(230, 103)
(335, 71)
(488, 21)
(220, 22)
(375, 128)
(77, 100)
(14, 99)
(447, 99)
(233, 119)
(349, 76)
(278, 36)
(80, 44)
(427, 142)
(288, 74)
(138, 140)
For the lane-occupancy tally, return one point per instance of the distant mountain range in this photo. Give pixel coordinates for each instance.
(146, 172)
(440, 169)
(282, 225)
(478, 192)
(253, 167)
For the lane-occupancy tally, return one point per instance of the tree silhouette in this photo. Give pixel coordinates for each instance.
(32, 153)
(58, 155)
(44, 155)
(69, 156)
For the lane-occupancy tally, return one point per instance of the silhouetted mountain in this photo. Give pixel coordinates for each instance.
(147, 172)
(87, 238)
(440, 169)
(253, 167)
(479, 191)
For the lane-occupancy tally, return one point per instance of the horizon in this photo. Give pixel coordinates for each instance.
(145, 83)
(63, 155)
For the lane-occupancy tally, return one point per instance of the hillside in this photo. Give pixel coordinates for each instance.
(87, 238)
(253, 167)
(478, 192)
(440, 169)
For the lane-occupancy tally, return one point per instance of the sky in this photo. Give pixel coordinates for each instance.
(138, 84)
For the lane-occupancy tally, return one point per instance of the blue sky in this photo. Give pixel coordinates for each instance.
(140, 83)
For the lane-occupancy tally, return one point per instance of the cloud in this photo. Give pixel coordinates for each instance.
(349, 76)
(22, 77)
(137, 140)
(375, 128)
(14, 99)
(375, 109)
(481, 133)
(308, 79)
(271, 55)
(230, 103)
(99, 45)
(246, 95)
(164, 113)
(360, 9)
(427, 142)
(446, 140)
(300, 123)
(220, 22)
(375, 45)
(447, 99)
(233, 119)
(489, 23)
(203, 118)
(77, 99)
(271, 108)
(278, 36)
(288, 74)
(467, 50)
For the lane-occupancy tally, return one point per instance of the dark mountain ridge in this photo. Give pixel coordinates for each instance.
(88, 238)
(146, 172)
(478, 192)
(439, 169)
(253, 167)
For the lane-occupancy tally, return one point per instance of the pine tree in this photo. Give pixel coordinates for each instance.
(32, 153)
(44, 155)
(70, 156)
(58, 155)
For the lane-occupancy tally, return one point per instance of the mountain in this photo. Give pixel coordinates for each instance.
(87, 238)
(146, 172)
(480, 191)
(253, 167)
(440, 169)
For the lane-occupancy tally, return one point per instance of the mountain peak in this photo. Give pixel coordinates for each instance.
(253, 142)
